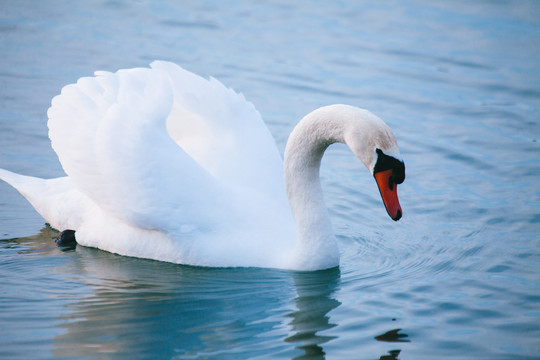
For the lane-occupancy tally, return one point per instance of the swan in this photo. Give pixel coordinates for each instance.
(164, 164)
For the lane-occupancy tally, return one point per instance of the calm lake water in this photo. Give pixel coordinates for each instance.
(457, 278)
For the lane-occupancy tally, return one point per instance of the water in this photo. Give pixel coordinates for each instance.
(458, 82)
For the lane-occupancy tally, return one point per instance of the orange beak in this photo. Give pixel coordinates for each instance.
(388, 190)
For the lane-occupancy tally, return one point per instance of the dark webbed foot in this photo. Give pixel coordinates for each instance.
(66, 239)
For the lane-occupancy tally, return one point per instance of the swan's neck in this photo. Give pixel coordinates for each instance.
(364, 134)
(316, 244)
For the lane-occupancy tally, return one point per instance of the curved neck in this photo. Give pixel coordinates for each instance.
(364, 134)
(316, 245)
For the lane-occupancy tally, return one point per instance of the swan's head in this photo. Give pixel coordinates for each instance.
(389, 172)
(370, 139)
(375, 145)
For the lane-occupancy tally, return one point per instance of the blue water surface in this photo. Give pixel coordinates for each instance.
(458, 277)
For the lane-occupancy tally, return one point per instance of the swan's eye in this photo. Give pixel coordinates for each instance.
(385, 162)
(398, 173)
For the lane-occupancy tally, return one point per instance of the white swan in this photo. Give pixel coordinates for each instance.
(166, 165)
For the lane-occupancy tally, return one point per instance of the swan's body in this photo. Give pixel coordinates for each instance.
(163, 164)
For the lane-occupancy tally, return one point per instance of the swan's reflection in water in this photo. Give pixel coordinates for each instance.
(314, 302)
(99, 305)
(120, 307)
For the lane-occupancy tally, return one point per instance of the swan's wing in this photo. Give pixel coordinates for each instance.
(109, 132)
(224, 133)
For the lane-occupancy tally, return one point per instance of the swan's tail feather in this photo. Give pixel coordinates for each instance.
(28, 186)
(54, 199)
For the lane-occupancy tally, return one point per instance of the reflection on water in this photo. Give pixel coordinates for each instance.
(392, 355)
(121, 307)
(393, 336)
(134, 308)
(314, 302)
